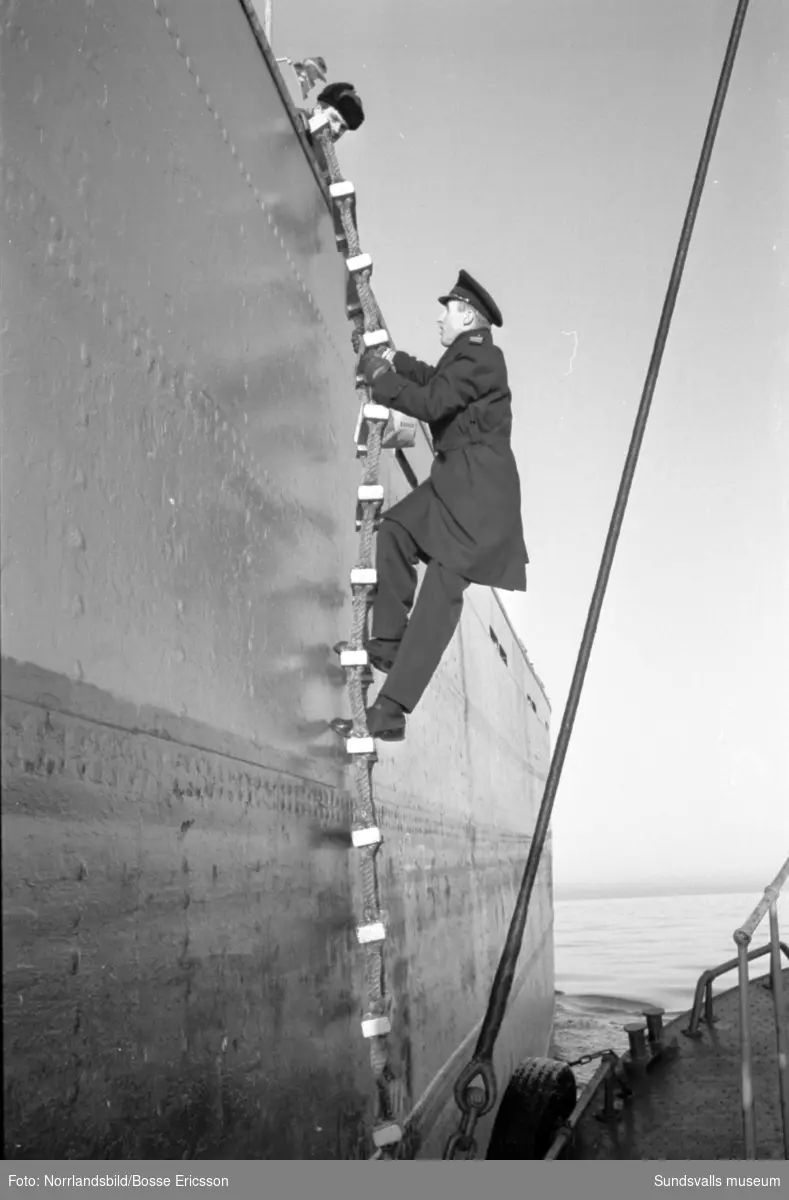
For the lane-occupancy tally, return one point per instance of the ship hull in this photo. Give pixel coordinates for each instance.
(181, 974)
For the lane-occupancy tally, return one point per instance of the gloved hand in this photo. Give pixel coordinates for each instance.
(374, 364)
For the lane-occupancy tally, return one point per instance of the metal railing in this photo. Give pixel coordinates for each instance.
(703, 1001)
(743, 936)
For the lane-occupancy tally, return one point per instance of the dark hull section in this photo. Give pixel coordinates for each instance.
(180, 968)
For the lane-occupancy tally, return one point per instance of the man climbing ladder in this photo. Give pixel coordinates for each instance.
(464, 522)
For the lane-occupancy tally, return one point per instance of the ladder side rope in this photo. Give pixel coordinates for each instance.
(366, 835)
(472, 1099)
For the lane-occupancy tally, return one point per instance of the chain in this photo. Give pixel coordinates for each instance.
(376, 1025)
(588, 1058)
(474, 1102)
(462, 1143)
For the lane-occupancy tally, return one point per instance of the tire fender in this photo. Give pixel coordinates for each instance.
(538, 1100)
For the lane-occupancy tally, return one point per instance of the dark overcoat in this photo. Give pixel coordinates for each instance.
(467, 515)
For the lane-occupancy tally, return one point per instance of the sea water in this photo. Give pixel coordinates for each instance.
(613, 956)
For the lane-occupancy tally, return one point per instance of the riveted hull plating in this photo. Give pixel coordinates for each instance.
(180, 970)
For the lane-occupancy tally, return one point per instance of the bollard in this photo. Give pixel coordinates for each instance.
(654, 1020)
(636, 1037)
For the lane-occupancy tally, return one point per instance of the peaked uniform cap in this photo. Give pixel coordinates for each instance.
(473, 293)
(345, 98)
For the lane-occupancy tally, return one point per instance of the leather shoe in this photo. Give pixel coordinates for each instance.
(385, 721)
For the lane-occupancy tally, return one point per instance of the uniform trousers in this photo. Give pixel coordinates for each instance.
(420, 641)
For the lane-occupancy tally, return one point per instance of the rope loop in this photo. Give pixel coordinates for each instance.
(476, 1099)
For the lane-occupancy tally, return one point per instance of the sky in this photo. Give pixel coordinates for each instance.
(549, 148)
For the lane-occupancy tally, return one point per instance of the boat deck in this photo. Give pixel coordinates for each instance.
(690, 1107)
